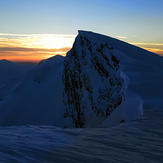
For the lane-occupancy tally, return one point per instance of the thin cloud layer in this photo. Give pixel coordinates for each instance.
(154, 50)
(121, 37)
(21, 49)
(153, 47)
(37, 46)
(148, 44)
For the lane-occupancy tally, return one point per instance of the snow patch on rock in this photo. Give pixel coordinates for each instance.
(93, 86)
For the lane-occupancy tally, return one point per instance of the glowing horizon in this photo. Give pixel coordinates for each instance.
(35, 47)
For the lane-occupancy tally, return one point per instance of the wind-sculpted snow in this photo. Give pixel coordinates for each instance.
(136, 143)
(93, 86)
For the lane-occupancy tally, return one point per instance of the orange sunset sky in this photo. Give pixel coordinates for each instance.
(35, 47)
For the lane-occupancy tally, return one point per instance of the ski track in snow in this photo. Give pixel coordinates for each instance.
(140, 141)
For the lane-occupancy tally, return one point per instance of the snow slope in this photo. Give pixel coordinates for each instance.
(10, 74)
(37, 97)
(139, 54)
(10, 70)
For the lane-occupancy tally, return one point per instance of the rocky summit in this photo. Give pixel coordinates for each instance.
(93, 86)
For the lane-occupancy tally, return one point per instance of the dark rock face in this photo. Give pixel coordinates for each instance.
(92, 83)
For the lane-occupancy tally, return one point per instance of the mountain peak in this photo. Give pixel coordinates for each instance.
(82, 31)
(93, 85)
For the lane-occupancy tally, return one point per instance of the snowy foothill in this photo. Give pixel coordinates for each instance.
(11, 71)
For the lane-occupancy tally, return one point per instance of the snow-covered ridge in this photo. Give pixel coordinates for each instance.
(130, 50)
(79, 90)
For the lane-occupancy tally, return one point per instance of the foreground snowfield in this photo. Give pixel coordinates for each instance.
(141, 140)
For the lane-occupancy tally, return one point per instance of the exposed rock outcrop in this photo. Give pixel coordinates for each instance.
(93, 86)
